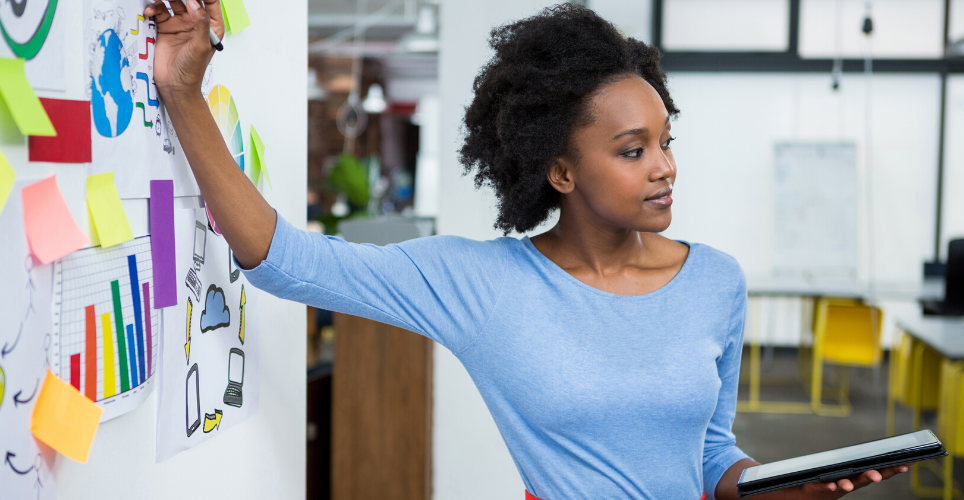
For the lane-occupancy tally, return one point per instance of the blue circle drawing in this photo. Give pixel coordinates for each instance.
(112, 104)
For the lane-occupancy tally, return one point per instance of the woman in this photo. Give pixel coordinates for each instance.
(607, 354)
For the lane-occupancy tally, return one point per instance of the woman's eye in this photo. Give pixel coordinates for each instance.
(666, 144)
(633, 153)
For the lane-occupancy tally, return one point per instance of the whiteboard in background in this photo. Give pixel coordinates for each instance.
(815, 209)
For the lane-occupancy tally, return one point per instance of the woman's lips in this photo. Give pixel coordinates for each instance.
(662, 198)
(662, 202)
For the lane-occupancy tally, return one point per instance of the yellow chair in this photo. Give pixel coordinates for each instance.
(915, 375)
(950, 429)
(846, 333)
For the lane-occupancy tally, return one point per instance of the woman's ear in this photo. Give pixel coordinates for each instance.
(560, 175)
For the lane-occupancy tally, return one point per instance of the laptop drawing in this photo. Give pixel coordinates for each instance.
(232, 394)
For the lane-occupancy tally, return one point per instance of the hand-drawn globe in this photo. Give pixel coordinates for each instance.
(111, 99)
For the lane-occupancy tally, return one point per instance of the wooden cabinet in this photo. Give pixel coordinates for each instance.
(381, 412)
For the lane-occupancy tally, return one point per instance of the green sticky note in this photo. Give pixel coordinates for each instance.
(224, 16)
(24, 107)
(258, 165)
(6, 181)
(236, 15)
(110, 221)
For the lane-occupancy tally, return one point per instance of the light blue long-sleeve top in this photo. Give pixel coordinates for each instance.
(597, 395)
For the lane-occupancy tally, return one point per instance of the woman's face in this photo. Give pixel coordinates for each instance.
(625, 168)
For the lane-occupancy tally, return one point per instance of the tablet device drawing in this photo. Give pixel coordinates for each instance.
(840, 463)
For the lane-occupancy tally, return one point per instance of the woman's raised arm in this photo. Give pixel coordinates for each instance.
(183, 51)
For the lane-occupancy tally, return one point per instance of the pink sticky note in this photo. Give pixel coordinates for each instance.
(162, 244)
(51, 231)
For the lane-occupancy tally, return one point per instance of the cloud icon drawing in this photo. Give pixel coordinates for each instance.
(215, 314)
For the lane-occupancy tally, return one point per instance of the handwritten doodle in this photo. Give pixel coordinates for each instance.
(216, 313)
(31, 288)
(138, 28)
(150, 41)
(195, 394)
(148, 124)
(212, 420)
(152, 102)
(241, 314)
(187, 345)
(16, 397)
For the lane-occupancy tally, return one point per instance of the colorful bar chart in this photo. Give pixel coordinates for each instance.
(103, 322)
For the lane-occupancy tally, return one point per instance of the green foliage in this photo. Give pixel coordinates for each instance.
(350, 177)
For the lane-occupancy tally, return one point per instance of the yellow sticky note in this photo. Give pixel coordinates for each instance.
(27, 112)
(6, 182)
(236, 15)
(103, 202)
(224, 16)
(257, 159)
(65, 419)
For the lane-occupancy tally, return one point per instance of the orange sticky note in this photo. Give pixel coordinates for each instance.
(51, 230)
(65, 419)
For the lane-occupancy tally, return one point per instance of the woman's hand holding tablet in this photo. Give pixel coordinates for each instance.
(833, 473)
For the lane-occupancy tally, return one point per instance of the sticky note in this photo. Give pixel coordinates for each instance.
(64, 419)
(6, 181)
(162, 244)
(20, 100)
(224, 17)
(257, 159)
(236, 15)
(110, 221)
(71, 120)
(51, 230)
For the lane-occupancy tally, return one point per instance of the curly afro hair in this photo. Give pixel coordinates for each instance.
(534, 93)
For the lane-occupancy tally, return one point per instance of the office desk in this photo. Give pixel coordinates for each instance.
(945, 336)
(811, 288)
(798, 286)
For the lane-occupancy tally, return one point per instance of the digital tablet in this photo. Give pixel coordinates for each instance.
(840, 463)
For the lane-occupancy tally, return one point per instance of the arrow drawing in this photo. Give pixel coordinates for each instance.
(16, 397)
(5, 350)
(138, 28)
(212, 422)
(10, 463)
(146, 123)
(150, 41)
(187, 345)
(143, 77)
(241, 330)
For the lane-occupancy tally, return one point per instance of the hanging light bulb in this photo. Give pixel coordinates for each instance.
(375, 101)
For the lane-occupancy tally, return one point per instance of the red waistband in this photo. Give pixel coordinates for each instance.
(529, 496)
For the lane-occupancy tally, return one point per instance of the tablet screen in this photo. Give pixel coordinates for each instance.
(841, 455)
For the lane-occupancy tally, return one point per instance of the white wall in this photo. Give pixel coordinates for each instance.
(953, 214)
(262, 457)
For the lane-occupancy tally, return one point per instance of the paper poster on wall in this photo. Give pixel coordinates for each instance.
(210, 362)
(106, 332)
(25, 338)
(34, 31)
(130, 132)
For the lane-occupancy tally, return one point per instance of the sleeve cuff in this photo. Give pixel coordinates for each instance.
(714, 468)
(283, 234)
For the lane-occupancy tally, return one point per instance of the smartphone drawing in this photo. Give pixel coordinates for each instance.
(193, 400)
